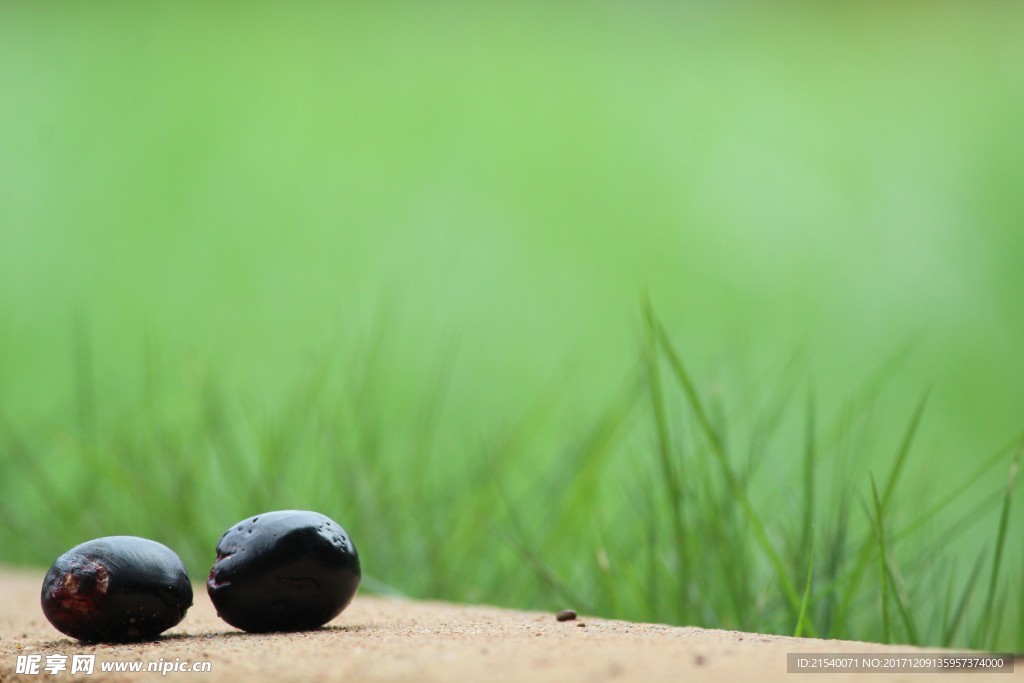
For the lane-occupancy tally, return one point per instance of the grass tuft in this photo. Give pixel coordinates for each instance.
(678, 502)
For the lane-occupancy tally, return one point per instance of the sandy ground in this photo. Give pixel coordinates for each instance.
(378, 639)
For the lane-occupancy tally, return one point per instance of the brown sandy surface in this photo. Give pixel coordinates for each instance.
(378, 639)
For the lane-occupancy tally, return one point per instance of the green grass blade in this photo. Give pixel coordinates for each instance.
(718, 450)
(806, 539)
(516, 536)
(902, 604)
(964, 485)
(1018, 642)
(965, 522)
(988, 617)
(585, 466)
(801, 623)
(890, 486)
(837, 548)
(901, 456)
(949, 628)
(947, 602)
(859, 402)
(882, 561)
(671, 476)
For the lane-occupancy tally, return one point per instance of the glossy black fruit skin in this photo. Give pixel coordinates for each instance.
(116, 589)
(289, 570)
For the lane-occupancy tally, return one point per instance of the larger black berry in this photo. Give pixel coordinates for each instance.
(289, 570)
(116, 589)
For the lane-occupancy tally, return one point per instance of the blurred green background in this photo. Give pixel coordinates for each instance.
(338, 256)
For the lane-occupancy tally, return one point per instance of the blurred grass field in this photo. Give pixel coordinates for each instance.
(390, 262)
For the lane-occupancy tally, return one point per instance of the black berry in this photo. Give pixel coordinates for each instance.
(289, 570)
(116, 589)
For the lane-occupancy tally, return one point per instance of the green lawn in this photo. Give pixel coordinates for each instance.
(705, 313)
